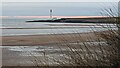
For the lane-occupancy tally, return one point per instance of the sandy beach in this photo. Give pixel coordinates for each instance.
(46, 39)
(21, 49)
(48, 34)
(53, 49)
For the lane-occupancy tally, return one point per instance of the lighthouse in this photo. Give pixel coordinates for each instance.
(51, 13)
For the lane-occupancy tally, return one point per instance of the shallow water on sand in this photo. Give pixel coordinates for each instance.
(41, 54)
(26, 55)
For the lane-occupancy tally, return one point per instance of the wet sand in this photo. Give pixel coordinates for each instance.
(53, 50)
(24, 50)
(46, 39)
(43, 55)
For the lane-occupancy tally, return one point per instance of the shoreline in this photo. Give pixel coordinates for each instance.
(75, 20)
(47, 34)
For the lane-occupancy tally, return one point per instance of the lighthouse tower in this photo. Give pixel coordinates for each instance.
(50, 13)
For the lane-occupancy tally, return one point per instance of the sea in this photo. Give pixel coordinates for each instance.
(19, 26)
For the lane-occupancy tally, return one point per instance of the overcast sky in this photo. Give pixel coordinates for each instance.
(59, 8)
(35, 9)
(60, 0)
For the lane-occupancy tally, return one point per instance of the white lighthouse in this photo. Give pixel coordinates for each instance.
(51, 13)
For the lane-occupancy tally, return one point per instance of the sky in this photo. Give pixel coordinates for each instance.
(60, 0)
(59, 8)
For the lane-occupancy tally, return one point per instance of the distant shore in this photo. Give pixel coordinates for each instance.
(76, 20)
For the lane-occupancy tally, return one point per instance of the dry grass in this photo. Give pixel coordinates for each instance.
(87, 53)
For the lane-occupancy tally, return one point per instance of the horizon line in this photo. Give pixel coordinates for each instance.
(49, 16)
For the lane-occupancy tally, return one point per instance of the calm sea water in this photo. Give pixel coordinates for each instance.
(36, 28)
